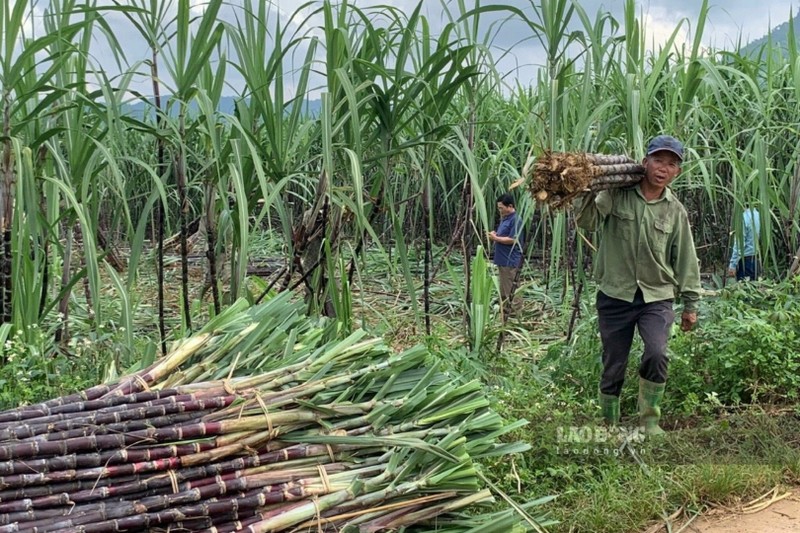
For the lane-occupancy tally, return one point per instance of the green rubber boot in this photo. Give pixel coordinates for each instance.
(609, 407)
(650, 395)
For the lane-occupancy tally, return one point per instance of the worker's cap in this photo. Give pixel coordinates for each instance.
(665, 142)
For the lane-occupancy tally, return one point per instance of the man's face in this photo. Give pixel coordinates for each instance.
(661, 168)
(504, 209)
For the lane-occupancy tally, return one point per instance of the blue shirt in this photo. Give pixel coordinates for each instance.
(509, 255)
(752, 229)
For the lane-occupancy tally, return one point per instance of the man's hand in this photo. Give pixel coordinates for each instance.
(492, 235)
(731, 272)
(688, 320)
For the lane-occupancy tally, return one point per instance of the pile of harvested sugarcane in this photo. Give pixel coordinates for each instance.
(557, 178)
(263, 421)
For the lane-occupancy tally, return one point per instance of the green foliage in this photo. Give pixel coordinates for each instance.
(705, 460)
(747, 348)
(578, 361)
(35, 370)
(482, 290)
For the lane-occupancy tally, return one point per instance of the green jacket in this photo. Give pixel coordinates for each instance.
(643, 245)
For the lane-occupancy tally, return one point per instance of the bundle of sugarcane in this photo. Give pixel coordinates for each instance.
(263, 421)
(558, 177)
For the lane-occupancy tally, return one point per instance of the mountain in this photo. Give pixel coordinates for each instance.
(227, 105)
(778, 38)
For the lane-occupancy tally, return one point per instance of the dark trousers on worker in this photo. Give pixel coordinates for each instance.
(617, 320)
(508, 286)
(747, 268)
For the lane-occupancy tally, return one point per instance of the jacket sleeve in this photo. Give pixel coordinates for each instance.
(736, 254)
(591, 208)
(685, 265)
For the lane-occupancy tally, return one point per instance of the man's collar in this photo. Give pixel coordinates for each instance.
(665, 195)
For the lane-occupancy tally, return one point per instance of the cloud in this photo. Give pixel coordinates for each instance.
(513, 42)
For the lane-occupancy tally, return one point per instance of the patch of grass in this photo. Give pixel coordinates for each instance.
(725, 484)
(617, 499)
(600, 491)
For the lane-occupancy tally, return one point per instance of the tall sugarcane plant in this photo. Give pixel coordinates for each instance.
(38, 169)
(416, 138)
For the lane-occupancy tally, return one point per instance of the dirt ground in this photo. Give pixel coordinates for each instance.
(778, 511)
(781, 516)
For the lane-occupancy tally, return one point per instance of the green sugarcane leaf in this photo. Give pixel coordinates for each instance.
(372, 440)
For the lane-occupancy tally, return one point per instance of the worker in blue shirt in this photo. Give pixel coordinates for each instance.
(508, 241)
(744, 260)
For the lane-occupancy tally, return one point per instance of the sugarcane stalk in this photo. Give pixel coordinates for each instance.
(212, 524)
(364, 509)
(285, 517)
(203, 475)
(161, 435)
(255, 476)
(227, 446)
(614, 180)
(140, 514)
(40, 431)
(621, 168)
(77, 403)
(75, 461)
(128, 403)
(289, 480)
(177, 357)
(608, 159)
(96, 443)
(14, 519)
(266, 461)
(283, 397)
(56, 488)
(413, 516)
(212, 452)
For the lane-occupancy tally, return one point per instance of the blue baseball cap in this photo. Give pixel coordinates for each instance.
(665, 142)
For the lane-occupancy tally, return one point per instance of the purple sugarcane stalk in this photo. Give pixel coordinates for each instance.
(58, 417)
(78, 402)
(112, 457)
(99, 420)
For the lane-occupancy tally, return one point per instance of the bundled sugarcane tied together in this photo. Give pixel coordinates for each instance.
(263, 421)
(558, 177)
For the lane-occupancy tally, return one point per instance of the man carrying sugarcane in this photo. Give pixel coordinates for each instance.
(508, 241)
(646, 258)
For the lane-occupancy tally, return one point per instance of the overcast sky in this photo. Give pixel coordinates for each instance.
(728, 20)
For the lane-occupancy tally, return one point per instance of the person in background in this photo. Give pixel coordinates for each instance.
(744, 259)
(508, 241)
(646, 257)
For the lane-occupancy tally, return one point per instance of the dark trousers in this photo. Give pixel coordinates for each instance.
(747, 268)
(508, 285)
(617, 320)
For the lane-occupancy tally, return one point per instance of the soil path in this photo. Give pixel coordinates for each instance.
(781, 517)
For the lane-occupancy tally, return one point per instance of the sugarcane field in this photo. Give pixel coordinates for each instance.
(361, 266)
